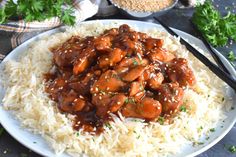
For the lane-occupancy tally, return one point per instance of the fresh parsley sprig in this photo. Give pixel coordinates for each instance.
(38, 10)
(215, 28)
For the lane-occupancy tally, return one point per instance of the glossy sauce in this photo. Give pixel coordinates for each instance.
(119, 71)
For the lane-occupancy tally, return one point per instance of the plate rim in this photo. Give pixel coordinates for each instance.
(60, 29)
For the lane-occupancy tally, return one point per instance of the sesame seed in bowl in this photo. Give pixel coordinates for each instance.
(144, 9)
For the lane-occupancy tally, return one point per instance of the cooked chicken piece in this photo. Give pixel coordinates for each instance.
(71, 103)
(159, 54)
(103, 43)
(148, 108)
(135, 88)
(155, 80)
(179, 71)
(170, 96)
(101, 102)
(108, 82)
(117, 102)
(84, 60)
(152, 43)
(82, 86)
(112, 58)
(133, 73)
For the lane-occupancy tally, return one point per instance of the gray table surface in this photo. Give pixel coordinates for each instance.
(176, 18)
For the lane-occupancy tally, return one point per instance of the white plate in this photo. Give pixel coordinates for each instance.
(28, 139)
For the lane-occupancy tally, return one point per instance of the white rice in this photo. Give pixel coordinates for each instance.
(25, 96)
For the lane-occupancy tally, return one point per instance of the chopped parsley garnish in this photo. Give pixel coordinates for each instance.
(108, 125)
(183, 108)
(207, 138)
(138, 137)
(129, 101)
(232, 149)
(135, 62)
(23, 155)
(137, 120)
(38, 10)
(77, 134)
(232, 108)
(212, 130)
(217, 29)
(223, 99)
(34, 142)
(161, 120)
(231, 56)
(200, 128)
(1, 131)
(197, 143)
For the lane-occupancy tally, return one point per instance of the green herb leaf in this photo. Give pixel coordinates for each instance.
(108, 125)
(232, 149)
(212, 130)
(231, 56)
(183, 108)
(23, 155)
(38, 10)
(216, 29)
(68, 18)
(134, 61)
(161, 120)
(1, 131)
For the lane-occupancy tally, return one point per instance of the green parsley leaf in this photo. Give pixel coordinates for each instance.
(108, 125)
(212, 130)
(161, 120)
(129, 101)
(68, 18)
(231, 56)
(183, 108)
(223, 99)
(197, 143)
(138, 137)
(232, 149)
(38, 10)
(134, 61)
(215, 28)
(1, 131)
(23, 155)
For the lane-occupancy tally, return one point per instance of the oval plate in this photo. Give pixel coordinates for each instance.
(28, 139)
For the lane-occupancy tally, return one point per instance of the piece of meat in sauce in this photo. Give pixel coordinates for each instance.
(106, 103)
(170, 96)
(108, 82)
(147, 108)
(119, 71)
(179, 71)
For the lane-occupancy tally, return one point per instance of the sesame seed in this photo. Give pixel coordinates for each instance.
(106, 59)
(81, 97)
(165, 99)
(118, 103)
(75, 100)
(96, 89)
(52, 88)
(100, 97)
